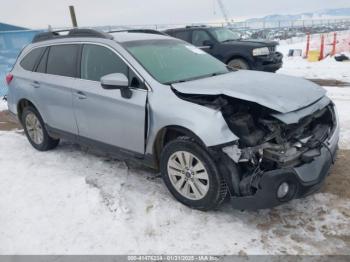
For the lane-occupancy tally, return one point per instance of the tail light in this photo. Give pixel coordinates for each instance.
(9, 78)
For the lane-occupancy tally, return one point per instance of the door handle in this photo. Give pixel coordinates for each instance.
(81, 95)
(35, 84)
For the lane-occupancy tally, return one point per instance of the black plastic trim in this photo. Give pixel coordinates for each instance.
(113, 151)
(71, 33)
(265, 196)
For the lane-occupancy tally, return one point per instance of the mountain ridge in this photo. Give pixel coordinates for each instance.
(323, 14)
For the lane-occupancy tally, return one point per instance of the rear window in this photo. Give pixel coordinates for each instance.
(30, 60)
(62, 60)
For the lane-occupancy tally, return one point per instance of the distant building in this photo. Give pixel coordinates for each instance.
(7, 27)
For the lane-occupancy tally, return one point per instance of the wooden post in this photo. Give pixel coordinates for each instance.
(73, 17)
(334, 49)
(322, 48)
(307, 45)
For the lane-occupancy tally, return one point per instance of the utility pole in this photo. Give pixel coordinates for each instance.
(224, 12)
(73, 17)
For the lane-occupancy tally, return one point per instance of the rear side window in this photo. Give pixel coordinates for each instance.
(183, 35)
(98, 61)
(30, 60)
(62, 60)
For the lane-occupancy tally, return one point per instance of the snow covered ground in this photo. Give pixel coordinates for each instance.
(72, 201)
(3, 104)
(325, 69)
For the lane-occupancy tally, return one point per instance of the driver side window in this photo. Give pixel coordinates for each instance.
(98, 61)
(199, 36)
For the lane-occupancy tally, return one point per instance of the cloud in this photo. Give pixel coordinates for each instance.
(40, 13)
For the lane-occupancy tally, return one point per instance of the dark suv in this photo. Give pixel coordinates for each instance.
(227, 46)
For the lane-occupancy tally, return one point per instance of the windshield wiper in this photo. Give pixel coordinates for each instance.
(194, 78)
(229, 40)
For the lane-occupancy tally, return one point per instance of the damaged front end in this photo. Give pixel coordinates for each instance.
(277, 157)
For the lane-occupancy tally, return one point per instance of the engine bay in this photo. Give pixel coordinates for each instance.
(266, 143)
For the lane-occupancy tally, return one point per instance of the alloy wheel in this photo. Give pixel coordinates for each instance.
(188, 175)
(34, 129)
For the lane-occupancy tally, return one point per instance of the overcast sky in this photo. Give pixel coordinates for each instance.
(40, 13)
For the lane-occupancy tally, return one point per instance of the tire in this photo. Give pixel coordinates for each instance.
(238, 63)
(35, 130)
(200, 186)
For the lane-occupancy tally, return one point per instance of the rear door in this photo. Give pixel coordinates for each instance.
(22, 85)
(54, 79)
(104, 115)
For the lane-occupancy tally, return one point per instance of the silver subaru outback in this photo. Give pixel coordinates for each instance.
(257, 139)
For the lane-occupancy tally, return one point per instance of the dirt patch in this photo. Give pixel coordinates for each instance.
(338, 183)
(318, 224)
(7, 122)
(330, 82)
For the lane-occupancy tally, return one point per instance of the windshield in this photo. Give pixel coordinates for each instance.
(171, 61)
(224, 34)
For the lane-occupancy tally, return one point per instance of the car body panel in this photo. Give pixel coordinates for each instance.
(281, 93)
(174, 111)
(211, 133)
(84, 111)
(295, 116)
(105, 116)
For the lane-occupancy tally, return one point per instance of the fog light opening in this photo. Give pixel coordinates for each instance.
(283, 190)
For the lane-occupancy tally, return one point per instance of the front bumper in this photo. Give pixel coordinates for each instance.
(304, 179)
(269, 63)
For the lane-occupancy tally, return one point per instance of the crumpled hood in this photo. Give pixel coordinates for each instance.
(281, 93)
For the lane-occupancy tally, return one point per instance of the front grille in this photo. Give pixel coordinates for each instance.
(272, 49)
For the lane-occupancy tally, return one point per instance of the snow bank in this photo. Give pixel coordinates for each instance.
(325, 69)
(69, 201)
(3, 104)
(341, 97)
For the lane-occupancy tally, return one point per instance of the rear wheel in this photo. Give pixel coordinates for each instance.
(35, 130)
(191, 175)
(238, 63)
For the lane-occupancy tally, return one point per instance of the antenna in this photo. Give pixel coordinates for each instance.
(224, 12)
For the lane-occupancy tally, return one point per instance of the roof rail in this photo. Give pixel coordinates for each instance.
(71, 33)
(140, 30)
(196, 26)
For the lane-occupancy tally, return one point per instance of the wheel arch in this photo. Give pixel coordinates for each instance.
(22, 103)
(170, 133)
(240, 56)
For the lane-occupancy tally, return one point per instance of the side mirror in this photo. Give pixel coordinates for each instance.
(208, 44)
(117, 81)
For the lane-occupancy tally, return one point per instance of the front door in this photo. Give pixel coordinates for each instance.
(199, 38)
(104, 115)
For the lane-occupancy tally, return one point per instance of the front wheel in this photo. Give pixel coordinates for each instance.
(191, 175)
(239, 64)
(35, 130)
